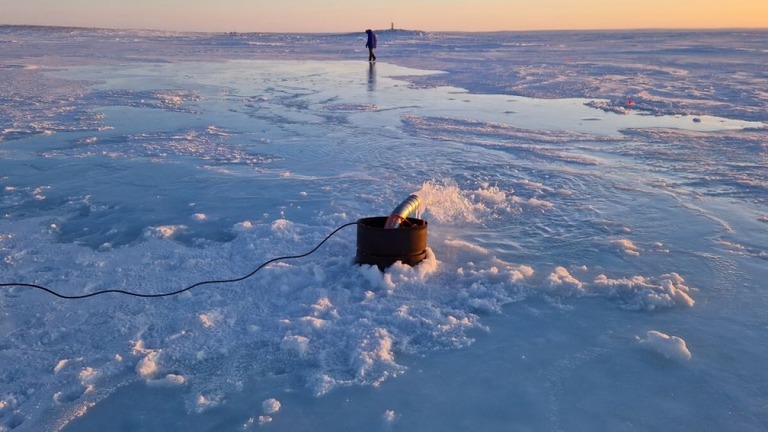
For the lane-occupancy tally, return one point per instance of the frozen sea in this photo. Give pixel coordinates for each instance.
(598, 231)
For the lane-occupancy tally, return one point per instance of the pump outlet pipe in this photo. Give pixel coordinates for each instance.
(402, 211)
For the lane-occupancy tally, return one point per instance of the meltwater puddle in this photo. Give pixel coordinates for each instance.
(308, 92)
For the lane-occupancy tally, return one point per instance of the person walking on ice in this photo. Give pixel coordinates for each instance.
(371, 45)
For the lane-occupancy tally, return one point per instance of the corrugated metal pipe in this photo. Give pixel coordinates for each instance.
(403, 211)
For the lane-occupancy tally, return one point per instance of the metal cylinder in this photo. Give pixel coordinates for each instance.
(382, 247)
(402, 211)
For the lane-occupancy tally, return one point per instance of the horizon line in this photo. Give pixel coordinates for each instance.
(394, 29)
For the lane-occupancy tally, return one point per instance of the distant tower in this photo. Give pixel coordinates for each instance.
(393, 26)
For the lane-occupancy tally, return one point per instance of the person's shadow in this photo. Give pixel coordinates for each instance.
(371, 77)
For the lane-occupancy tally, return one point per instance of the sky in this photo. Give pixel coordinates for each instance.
(352, 15)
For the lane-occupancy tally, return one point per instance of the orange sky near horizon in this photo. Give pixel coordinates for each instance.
(353, 15)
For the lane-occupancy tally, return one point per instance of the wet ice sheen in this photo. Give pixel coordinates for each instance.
(568, 246)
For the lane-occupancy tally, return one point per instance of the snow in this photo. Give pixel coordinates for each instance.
(671, 347)
(270, 406)
(580, 247)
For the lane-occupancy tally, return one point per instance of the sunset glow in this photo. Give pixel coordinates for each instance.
(351, 15)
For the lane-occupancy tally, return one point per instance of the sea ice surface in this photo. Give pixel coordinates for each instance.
(597, 206)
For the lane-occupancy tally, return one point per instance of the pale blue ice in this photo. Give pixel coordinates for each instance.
(598, 216)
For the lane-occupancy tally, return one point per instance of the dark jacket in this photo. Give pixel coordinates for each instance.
(371, 39)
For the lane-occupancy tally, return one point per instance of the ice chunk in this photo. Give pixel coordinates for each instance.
(671, 347)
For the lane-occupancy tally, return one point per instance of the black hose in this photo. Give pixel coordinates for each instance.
(173, 293)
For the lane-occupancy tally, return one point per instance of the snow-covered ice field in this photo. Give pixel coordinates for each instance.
(598, 231)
